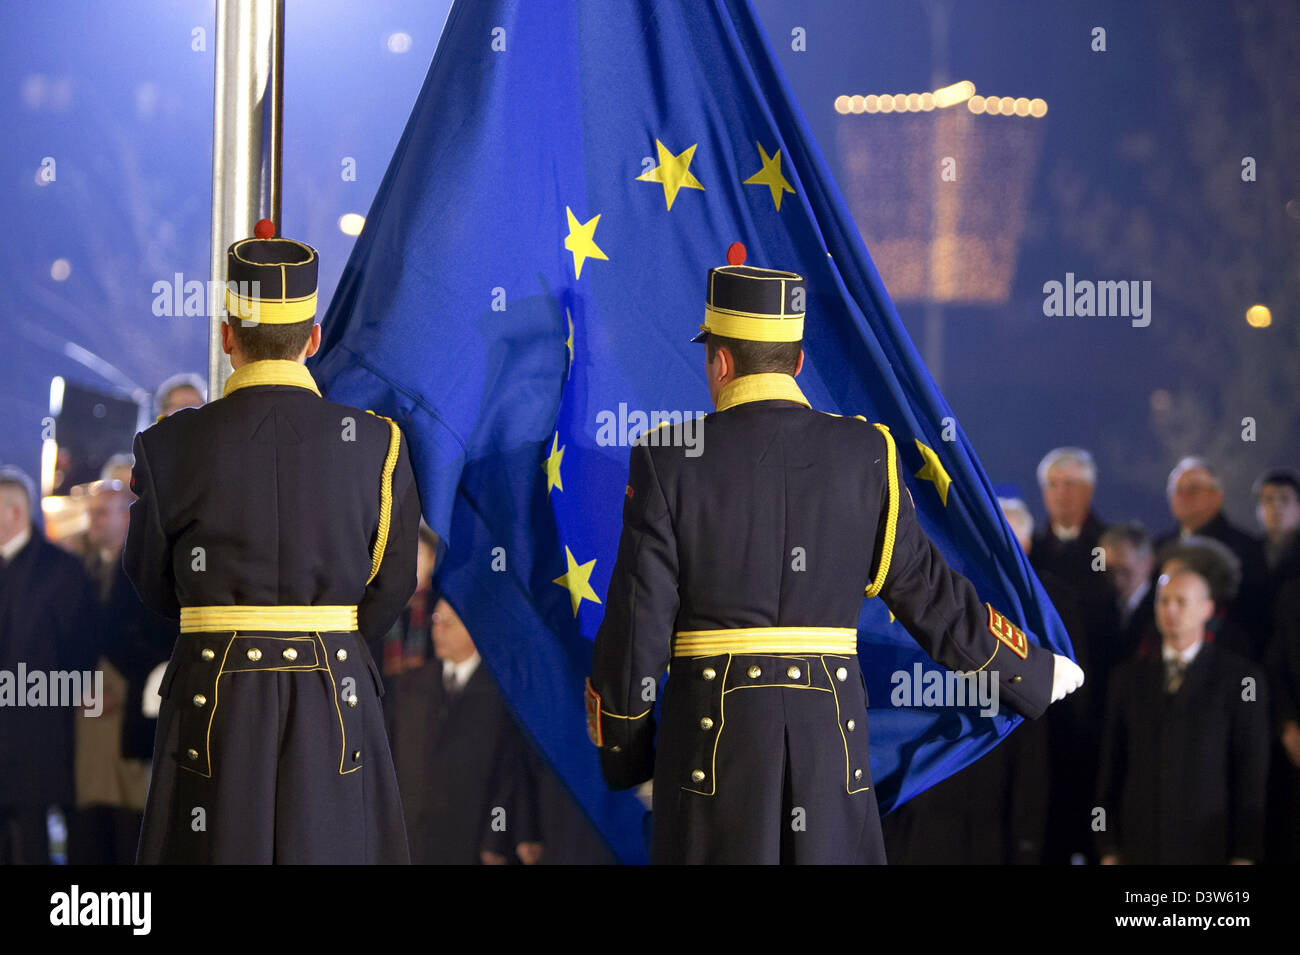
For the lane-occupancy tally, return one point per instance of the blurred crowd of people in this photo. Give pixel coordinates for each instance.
(1182, 747)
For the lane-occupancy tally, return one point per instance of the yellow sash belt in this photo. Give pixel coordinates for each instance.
(296, 619)
(706, 643)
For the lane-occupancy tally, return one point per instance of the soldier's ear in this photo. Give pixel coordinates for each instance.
(313, 343)
(798, 367)
(227, 338)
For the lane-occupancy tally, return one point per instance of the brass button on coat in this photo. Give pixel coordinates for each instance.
(1016, 679)
(200, 699)
(208, 654)
(352, 701)
(857, 774)
(192, 753)
(794, 673)
(290, 654)
(254, 654)
(697, 776)
(706, 723)
(341, 655)
(356, 755)
(842, 674)
(755, 673)
(708, 673)
(851, 725)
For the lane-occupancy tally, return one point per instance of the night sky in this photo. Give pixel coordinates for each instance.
(1138, 178)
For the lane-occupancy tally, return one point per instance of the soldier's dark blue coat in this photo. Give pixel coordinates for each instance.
(709, 543)
(271, 496)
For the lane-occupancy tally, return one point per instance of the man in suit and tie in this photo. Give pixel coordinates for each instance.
(1185, 749)
(460, 757)
(47, 619)
(1196, 502)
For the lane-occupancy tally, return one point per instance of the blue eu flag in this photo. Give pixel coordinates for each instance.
(522, 298)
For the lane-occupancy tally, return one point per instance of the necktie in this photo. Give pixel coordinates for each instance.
(1175, 670)
(450, 683)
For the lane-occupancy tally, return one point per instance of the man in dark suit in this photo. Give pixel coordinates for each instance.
(1196, 502)
(1185, 749)
(765, 712)
(46, 626)
(280, 528)
(1066, 546)
(461, 760)
(1130, 563)
(1277, 508)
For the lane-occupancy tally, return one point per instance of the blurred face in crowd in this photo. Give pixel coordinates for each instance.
(1183, 608)
(425, 555)
(109, 515)
(1127, 567)
(180, 397)
(1020, 525)
(123, 475)
(1067, 495)
(1278, 510)
(1195, 499)
(14, 517)
(451, 640)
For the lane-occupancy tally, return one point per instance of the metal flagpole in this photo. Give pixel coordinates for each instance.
(246, 144)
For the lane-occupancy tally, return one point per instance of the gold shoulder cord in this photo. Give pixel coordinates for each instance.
(891, 521)
(385, 496)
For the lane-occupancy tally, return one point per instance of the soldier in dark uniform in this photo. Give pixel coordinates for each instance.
(280, 529)
(762, 756)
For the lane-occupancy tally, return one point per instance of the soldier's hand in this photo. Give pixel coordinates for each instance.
(530, 853)
(1066, 677)
(1291, 741)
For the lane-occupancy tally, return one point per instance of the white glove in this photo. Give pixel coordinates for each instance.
(1066, 677)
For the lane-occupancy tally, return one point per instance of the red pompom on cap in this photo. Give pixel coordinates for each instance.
(736, 254)
(265, 229)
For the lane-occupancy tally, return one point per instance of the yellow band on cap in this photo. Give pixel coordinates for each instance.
(753, 329)
(271, 311)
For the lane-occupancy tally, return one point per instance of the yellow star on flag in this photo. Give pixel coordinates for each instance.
(552, 465)
(581, 241)
(933, 471)
(673, 172)
(578, 581)
(770, 176)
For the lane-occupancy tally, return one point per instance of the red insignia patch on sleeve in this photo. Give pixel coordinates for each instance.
(1008, 633)
(593, 715)
(630, 493)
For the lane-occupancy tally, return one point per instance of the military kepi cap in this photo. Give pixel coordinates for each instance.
(753, 304)
(271, 280)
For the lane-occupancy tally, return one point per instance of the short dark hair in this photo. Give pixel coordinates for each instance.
(260, 341)
(753, 358)
(1133, 533)
(1277, 477)
(1209, 559)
